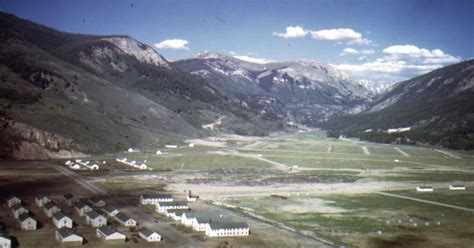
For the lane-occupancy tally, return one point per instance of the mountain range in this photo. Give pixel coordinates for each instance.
(64, 94)
(435, 108)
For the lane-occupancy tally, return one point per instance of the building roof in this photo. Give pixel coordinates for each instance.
(40, 197)
(59, 215)
(155, 196)
(93, 214)
(24, 216)
(178, 212)
(147, 232)
(174, 203)
(211, 219)
(12, 197)
(68, 196)
(49, 205)
(108, 230)
(80, 204)
(203, 214)
(228, 225)
(110, 209)
(4, 235)
(63, 232)
(123, 217)
(17, 206)
(95, 199)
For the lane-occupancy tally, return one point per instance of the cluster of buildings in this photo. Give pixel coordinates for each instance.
(453, 187)
(21, 213)
(133, 163)
(211, 223)
(95, 211)
(80, 164)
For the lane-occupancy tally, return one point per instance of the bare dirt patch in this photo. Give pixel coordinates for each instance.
(311, 205)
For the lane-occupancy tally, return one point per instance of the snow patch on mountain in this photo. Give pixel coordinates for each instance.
(373, 86)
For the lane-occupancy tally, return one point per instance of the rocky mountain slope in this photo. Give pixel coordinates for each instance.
(66, 93)
(306, 91)
(436, 108)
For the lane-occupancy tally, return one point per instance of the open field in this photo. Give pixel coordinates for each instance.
(294, 190)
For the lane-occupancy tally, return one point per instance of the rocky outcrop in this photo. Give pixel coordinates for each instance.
(33, 151)
(32, 143)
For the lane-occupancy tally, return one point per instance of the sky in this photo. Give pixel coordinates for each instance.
(376, 40)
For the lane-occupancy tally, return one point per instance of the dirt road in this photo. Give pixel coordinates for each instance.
(426, 201)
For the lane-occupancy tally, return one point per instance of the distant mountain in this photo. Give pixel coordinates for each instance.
(65, 94)
(306, 91)
(435, 108)
(375, 87)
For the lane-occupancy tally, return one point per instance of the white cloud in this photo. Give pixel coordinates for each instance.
(175, 44)
(252, 59)
(362, 42)
(368, 51)
(336, 34)
(292, 32)
(400, 62)
(350, 50)
(425, 56)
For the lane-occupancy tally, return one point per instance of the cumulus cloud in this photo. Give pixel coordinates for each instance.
(349, 51)
(400, 62)
(175, 44)
(292, 32)
(362, 42)
(336, 34)
(252, 59)
(339, 35)
(425, 56)
(355, 51)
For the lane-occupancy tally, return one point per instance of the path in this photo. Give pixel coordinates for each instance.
(313, 152)
(365, 149)
(78, 179)
(447, 153)
(211, 126)
(427, 201)
(401, 152)
(276, 165)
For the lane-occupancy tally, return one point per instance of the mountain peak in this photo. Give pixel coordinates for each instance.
(210, 55)
(140, 51)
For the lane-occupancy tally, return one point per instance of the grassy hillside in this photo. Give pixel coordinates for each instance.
(437, 106)
(98, 97)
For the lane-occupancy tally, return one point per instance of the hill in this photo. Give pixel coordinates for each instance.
(65, 94)
(435, 108)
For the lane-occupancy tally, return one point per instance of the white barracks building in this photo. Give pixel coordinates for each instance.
(154, 199)
(228, 229)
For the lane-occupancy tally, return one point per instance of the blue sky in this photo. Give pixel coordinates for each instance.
(376, 40)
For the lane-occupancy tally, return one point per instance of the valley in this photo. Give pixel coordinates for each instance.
(291, 182)
(119, 129)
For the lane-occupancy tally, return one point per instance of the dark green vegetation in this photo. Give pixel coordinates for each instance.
(438, 107)
(92, 94)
